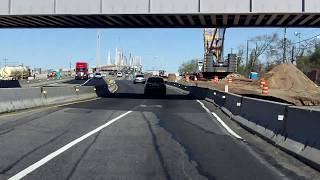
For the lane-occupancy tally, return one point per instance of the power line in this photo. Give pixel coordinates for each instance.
(311, 38)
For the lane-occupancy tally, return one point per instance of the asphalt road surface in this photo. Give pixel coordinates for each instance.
(127, 136)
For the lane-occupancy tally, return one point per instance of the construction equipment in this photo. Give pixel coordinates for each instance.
(214, 63)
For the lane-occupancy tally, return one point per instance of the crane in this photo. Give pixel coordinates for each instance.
(214, 62)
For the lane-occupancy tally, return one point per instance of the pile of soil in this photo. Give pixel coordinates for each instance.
(289, 77)
(287, 82)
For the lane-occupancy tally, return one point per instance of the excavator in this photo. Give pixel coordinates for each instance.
(214, 63)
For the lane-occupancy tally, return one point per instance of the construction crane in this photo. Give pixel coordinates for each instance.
(214, 62)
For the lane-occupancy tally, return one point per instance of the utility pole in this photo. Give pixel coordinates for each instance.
(98, 48)
(285, 46)
(5, 60)
(292, 55)
(247, 58)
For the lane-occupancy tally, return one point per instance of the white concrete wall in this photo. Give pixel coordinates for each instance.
(4, 7)
(174, 6)
(281, 6)
(125, 6)
(77, 6)
(312, 6)
(32, 6)
(225, 6)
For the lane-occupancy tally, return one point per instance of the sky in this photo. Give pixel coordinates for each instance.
(159, 48)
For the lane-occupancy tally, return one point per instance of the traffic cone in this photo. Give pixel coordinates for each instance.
(230, 80)
(265, 89)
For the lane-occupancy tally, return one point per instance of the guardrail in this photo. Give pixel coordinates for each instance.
(293, 129)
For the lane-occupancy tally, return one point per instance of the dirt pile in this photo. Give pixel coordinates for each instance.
(285, 82)
(289, 77)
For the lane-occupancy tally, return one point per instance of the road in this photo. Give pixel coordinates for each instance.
(127, 136)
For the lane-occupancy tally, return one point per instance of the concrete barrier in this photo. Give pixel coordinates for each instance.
(268, 116)
(55, 95)
(86, 92)
(218, 97)
(294, 129)
(232, 105)
(14, 99)
(302, 134)
(197, 92)
(17, 99)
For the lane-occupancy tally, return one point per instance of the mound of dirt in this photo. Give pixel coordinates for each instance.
(289, 77)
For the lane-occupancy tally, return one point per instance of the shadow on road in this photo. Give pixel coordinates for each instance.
(149, 96)
(10, 84)
(91, 82)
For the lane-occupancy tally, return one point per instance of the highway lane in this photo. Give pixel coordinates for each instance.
(168, 138)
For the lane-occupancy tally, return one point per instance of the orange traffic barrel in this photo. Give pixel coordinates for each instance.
(230, 80)
(262, 83)
(265, 89)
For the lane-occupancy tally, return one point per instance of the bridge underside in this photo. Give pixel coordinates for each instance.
(160, 20)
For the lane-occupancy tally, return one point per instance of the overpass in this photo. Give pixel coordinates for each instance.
(158, 13)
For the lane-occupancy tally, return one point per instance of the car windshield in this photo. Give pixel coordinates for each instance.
(81, 69)
(155, 80)
(160, 89)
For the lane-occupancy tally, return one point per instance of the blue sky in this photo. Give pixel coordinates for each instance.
(159, 48)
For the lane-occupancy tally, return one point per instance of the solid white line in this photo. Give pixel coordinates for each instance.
(85, 82)
(220, 121)
(49, 157)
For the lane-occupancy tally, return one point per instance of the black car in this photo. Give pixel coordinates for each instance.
(155, 86)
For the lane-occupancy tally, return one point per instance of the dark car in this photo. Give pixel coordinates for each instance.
(155, 85)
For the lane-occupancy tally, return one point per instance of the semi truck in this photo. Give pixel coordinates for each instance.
(82, 71)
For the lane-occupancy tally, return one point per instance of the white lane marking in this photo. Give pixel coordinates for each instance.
(86, 82)
(49, 157)
(220, 121)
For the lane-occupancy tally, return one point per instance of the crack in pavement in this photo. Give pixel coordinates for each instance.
(157, 148)
(8, 168)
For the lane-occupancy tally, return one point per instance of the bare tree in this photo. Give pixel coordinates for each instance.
(241, 53)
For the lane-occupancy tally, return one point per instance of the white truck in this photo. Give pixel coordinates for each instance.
(14, 73)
